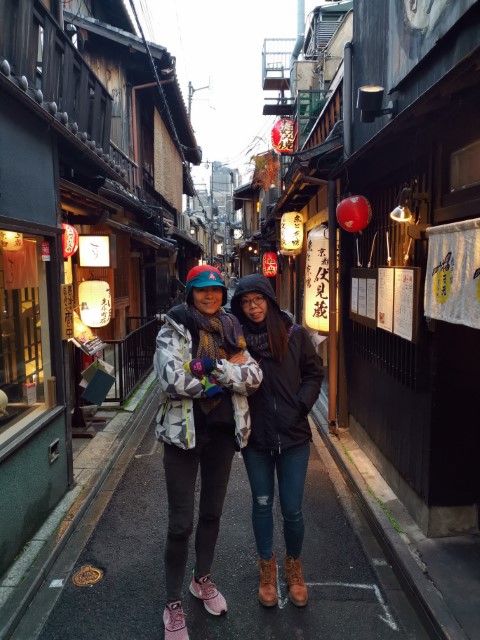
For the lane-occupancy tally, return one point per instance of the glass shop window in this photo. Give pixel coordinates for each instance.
(25, 364)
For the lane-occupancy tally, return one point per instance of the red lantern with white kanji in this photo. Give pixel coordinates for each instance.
(354, 213)
(284, 135)
(269, 264)
(69, 240)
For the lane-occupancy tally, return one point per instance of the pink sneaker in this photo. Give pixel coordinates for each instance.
(213, 601)
(174, 621)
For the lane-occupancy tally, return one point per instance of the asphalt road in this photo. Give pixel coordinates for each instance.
(353, 592)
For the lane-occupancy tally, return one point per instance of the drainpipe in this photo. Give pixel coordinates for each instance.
(300, 40)
(347, 100)
(333, 314)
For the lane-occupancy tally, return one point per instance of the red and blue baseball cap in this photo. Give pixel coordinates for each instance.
(204, 276)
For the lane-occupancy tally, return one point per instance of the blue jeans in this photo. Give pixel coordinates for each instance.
(291, 466)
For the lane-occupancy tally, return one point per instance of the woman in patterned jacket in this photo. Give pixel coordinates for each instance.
(205, 375)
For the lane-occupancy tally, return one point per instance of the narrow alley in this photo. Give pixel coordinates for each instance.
(353, 591)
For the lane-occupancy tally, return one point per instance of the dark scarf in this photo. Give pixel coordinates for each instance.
(220, 336)
(257, 339)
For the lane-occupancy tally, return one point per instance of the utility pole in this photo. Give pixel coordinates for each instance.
(191, 91)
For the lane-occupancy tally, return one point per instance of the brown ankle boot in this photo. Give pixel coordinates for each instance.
(297, 590)
(267, 591)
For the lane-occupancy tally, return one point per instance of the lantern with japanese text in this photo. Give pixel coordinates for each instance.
(291, 233)
(95, 302)
(269, 264)
(11, 240)
(354, 213)
(317, 278)
(284, 135)
(69, 240)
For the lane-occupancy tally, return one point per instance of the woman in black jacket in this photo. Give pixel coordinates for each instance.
(281, 435)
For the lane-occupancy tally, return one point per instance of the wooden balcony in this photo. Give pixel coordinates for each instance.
(39, 58)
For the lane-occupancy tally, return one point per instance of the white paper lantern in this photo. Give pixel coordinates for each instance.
(317, 280)
(11, 240)
(291, 233)
(3, 403)
(95, 303)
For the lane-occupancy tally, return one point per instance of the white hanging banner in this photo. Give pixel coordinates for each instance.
(317, 278)
(452, 284)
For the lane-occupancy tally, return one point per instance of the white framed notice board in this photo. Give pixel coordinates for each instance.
(386, 298)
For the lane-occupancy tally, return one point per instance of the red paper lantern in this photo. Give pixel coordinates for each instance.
(354, 213)
(69, 240)
(269, 264)
(284, 135)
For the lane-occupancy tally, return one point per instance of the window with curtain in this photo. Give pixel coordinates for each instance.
(25, 363)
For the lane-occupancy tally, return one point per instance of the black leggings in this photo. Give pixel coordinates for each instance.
(213, 453)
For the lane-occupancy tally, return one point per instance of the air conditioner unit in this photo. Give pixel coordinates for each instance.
(183, 222)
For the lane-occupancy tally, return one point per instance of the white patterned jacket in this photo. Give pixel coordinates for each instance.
(175, 421)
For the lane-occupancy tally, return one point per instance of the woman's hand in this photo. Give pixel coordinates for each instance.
(238, 358)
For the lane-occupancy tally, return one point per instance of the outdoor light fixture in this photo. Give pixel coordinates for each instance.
(291, 233)
(402, 212)
(94, 251)
(11, 240)
(317, 270)
(269, 264)
(369, 101)
(95, 302)
(69, 240)
(354, 213)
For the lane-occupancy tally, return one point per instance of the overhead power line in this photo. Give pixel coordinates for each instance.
(166, 108)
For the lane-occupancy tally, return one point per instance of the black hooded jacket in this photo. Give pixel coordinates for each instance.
(279, 408)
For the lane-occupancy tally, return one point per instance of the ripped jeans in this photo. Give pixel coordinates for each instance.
(291, 466)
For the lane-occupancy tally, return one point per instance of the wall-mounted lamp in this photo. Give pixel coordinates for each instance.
(369, 101)
(11, 240)
(402, 212)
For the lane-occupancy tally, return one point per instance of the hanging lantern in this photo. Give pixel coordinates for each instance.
(269, 264)
(284, 135)
(317, 278)
(69, 240)
(291, 233)
(354, 213)
(11, 240)
(95, 302)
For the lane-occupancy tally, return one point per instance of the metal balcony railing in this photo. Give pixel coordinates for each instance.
(131, 358)
(276, 60)
(308, 106)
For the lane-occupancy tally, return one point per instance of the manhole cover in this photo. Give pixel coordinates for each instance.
(86, 576)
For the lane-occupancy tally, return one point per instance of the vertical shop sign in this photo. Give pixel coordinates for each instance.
(66, 299)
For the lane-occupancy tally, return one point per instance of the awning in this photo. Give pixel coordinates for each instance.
(180, 234)
(83, 202)
(143, 236)
(310, 169)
